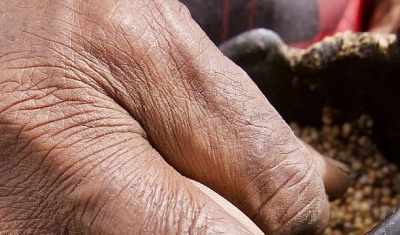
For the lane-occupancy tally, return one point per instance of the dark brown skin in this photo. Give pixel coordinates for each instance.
(386, 17)
(106, 104)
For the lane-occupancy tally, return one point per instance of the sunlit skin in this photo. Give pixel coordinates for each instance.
(108, 107)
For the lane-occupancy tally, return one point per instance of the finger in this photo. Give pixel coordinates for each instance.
(228, 207)
(386, 17)
(75, 162)
(206, 117)
(334, 173)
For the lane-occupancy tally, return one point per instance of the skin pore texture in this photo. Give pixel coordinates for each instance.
(108, 107)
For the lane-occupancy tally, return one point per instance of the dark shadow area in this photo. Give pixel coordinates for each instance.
(352, 73)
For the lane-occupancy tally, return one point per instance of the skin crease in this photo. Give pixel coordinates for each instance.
(107, 105)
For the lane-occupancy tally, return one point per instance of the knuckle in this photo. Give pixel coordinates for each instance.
(290, 196)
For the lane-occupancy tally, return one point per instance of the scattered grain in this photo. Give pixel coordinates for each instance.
(375, 188)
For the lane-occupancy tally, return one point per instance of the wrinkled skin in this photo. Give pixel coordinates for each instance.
(107, 105)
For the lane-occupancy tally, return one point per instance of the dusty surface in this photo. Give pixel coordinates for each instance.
(365, 46)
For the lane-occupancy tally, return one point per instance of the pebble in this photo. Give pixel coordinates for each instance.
(375, 188)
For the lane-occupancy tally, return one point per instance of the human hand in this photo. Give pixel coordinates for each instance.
(108, 107)
(385, 17)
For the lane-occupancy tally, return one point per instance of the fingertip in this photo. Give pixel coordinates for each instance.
(334, 174)
(336, 178)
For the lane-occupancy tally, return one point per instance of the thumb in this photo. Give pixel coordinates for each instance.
(228, 207)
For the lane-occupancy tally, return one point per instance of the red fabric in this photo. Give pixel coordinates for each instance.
(336, 16)
(352, 17)
(226, 17)
(225, 20)
(252, 14)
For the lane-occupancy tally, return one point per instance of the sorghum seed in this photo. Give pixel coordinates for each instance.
(375, 191)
